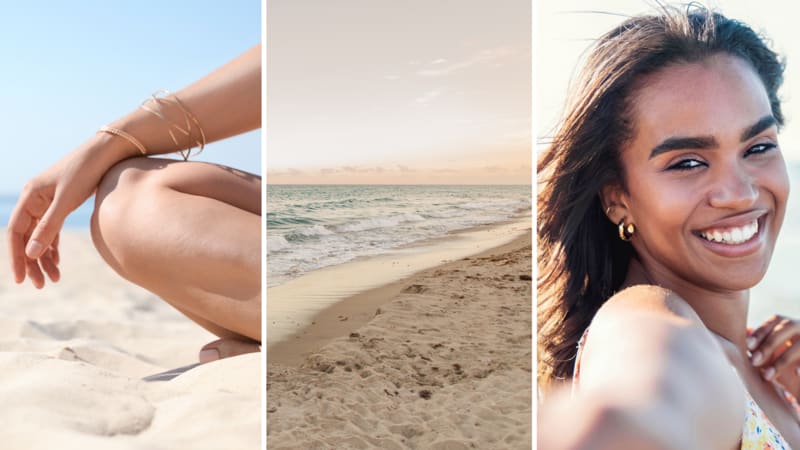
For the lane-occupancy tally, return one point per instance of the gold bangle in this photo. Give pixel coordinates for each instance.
(160, 97)
(117, 132)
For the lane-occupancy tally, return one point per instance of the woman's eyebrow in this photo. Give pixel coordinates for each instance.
(762, 124)
(683, 143)
(707, 142)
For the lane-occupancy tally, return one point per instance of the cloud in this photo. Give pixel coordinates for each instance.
(428, 96)
(491, 55)
(405, 169)
(356, 169)
(289, 171)
(391, 77)
(494, 169)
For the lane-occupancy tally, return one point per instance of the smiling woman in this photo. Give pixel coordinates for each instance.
(662, 196)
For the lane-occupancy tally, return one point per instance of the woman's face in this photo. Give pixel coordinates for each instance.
(706, 182)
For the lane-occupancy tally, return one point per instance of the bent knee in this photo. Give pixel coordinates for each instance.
(127, 174)
(115, 199)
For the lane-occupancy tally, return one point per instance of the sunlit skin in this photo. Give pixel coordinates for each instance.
(720, 181)
(704, 157)
(187, 231)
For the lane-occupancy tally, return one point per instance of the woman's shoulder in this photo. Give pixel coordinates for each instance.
(647, 300)
(642, 324)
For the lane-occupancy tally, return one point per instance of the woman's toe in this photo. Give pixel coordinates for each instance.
(225, 348)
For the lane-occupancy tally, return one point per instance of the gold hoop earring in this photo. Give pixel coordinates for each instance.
(626, 232)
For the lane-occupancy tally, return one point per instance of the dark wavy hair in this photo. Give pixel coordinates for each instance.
(581, 261)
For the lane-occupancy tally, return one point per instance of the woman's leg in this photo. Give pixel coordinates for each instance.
(189, 232)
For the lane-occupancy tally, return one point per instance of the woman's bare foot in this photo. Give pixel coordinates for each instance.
(225, 348)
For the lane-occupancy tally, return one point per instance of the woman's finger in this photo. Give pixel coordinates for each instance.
(761, 332)
(54, 250)
(49, 266)
(19, 225)
(786, 331)
(46, 231)
(785, 365)
(34, 273)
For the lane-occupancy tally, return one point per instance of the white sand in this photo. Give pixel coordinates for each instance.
(83, 362)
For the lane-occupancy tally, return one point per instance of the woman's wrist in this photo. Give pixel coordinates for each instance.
(103, 150)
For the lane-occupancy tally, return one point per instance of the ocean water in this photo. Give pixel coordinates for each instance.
(314, 226)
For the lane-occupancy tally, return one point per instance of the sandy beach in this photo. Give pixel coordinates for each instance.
(440, 359)
(93, 362)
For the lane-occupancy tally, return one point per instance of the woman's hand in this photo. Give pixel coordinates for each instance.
(773, 351)
(47, 199)
(32, 209)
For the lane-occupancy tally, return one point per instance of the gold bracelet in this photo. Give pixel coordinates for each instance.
(158, 98)
(117, 132)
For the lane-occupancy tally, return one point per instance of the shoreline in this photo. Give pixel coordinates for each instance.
(520, 215)
(306, 312)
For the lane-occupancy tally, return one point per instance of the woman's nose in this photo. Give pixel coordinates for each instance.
(733, 188)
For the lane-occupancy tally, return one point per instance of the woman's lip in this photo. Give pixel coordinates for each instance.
(745, 248)
(738, 220)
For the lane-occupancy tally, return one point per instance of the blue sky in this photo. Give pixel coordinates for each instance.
(71, 67)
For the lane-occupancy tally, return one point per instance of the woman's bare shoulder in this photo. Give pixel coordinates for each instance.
(648, 299)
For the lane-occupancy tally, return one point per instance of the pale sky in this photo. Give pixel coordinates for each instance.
(388, 91)
(564, 30)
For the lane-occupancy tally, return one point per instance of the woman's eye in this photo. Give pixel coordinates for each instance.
(686, 164)
(759, 148)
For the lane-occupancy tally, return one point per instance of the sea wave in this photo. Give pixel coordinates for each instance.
(274, 222)
(316, 230)
(380, 222)
(276, 244)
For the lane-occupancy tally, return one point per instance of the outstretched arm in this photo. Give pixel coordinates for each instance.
(226, 102)
(652, 376)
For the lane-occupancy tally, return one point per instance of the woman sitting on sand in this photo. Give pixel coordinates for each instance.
(662, 196)
(189, 232)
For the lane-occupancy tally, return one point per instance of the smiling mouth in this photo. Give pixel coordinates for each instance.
(731, 235)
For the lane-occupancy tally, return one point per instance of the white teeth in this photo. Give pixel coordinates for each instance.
(735, 235)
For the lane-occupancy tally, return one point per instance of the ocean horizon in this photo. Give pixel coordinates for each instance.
(79, 219)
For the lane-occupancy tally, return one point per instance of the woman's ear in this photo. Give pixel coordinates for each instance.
(615, 203)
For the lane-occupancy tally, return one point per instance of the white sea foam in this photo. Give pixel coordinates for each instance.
(276, 244)
(316, 230)
(381, 222)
